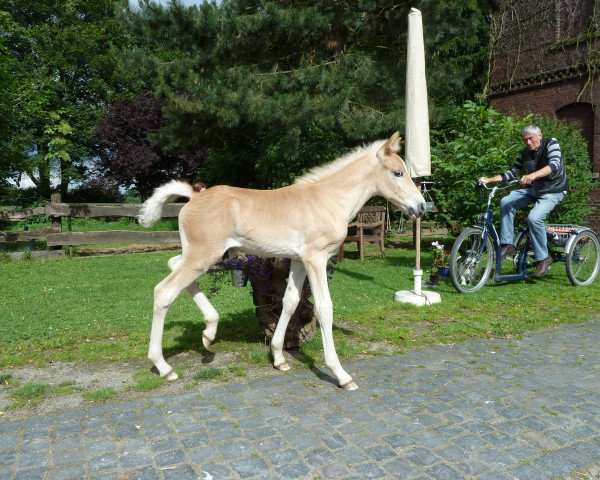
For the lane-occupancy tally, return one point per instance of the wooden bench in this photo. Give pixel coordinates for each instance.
(368, 227)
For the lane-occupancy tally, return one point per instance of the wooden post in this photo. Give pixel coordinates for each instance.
(56, 221)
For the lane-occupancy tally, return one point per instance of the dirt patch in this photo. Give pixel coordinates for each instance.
(84, 378)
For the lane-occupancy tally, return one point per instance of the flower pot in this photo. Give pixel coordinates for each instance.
(443, 271)
(238, 278)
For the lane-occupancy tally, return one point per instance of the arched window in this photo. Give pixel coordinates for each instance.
(581, 116)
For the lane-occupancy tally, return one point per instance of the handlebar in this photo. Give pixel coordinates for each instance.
(506, 185)
(494, 189)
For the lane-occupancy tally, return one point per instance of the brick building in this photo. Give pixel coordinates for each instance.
(546, 60)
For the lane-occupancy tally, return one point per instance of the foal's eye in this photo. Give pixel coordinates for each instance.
(398, 174)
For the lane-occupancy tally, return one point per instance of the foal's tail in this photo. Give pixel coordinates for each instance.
(151, 210)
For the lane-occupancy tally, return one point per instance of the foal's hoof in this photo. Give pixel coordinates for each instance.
(171, 376)
(206, 341)
(284, 367)
(351, 385)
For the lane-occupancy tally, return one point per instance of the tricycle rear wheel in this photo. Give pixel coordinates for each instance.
(583, 259)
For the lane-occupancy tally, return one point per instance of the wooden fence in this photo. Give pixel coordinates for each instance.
(57, 211)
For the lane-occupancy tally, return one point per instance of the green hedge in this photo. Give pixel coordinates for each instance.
(478, 141)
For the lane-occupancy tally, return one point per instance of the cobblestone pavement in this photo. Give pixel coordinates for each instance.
(489, 409)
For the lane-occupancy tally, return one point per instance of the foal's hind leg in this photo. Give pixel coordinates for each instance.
(290, 302)
(164, 295)
(211, 317)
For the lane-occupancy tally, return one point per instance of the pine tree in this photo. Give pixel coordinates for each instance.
(248, 78)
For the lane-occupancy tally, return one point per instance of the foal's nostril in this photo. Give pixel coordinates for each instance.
(422, 208)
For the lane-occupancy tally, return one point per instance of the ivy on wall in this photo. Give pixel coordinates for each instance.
(536, 42)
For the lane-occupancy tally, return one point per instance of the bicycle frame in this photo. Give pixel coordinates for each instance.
(489, 230)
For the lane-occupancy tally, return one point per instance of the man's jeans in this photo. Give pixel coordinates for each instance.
(518, 199)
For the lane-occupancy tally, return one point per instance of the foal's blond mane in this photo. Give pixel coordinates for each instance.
(322, 171)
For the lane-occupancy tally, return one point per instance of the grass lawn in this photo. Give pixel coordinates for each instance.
(99, 309)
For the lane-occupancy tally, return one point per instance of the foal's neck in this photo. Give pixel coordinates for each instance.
(351, 187)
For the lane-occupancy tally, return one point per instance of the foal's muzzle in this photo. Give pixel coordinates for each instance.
(417, 211)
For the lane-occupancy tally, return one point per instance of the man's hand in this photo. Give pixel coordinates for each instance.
(528, 179)
(496, 178)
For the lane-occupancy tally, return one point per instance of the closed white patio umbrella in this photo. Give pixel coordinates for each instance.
(417, 151)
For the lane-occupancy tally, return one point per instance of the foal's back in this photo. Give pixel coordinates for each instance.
(275, 222)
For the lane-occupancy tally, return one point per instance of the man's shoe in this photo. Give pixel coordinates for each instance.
(508, 251)
(542, 267)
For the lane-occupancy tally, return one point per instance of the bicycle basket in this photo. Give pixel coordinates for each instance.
(559, 233)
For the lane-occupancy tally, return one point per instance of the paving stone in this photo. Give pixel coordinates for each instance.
(135, 460)
(249, 467)
(181, 472)
(102, 463)
(163, 444)
(527, 472)
(370, 470)
(525, 408)
(421, 456)
(352, 455)
(335, 441)
(443, 472)
(31, 474)
(269, 444)
(215, 470)
(34, 459)
(400, 468)
(453, 454)
(75, 472)
(293, 470)
(237, 449)
(555, 465)
(283, 457)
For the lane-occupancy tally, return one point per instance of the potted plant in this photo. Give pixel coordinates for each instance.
(268, 279)
(439, 268)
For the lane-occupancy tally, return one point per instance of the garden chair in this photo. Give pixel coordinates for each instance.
(368, 227)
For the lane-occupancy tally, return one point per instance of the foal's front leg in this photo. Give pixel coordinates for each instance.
(290, 301)
(317, 275)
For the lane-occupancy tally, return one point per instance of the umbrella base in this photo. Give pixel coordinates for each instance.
(419, 299)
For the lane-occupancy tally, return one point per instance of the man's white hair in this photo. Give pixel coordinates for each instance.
(531, 130)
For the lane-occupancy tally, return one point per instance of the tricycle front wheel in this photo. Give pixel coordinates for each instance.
(471, 260)
(583, 259)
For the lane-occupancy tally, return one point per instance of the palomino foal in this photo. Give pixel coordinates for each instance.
(306, 221)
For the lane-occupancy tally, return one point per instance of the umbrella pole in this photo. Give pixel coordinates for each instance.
(417, 273)
(417, 144)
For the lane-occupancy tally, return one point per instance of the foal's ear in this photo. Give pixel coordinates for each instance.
(392, 145)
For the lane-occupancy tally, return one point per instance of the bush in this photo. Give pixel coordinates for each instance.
(96, 190)
(13, 196)
(478, 141)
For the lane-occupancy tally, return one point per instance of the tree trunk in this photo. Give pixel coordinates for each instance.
(267, 294)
